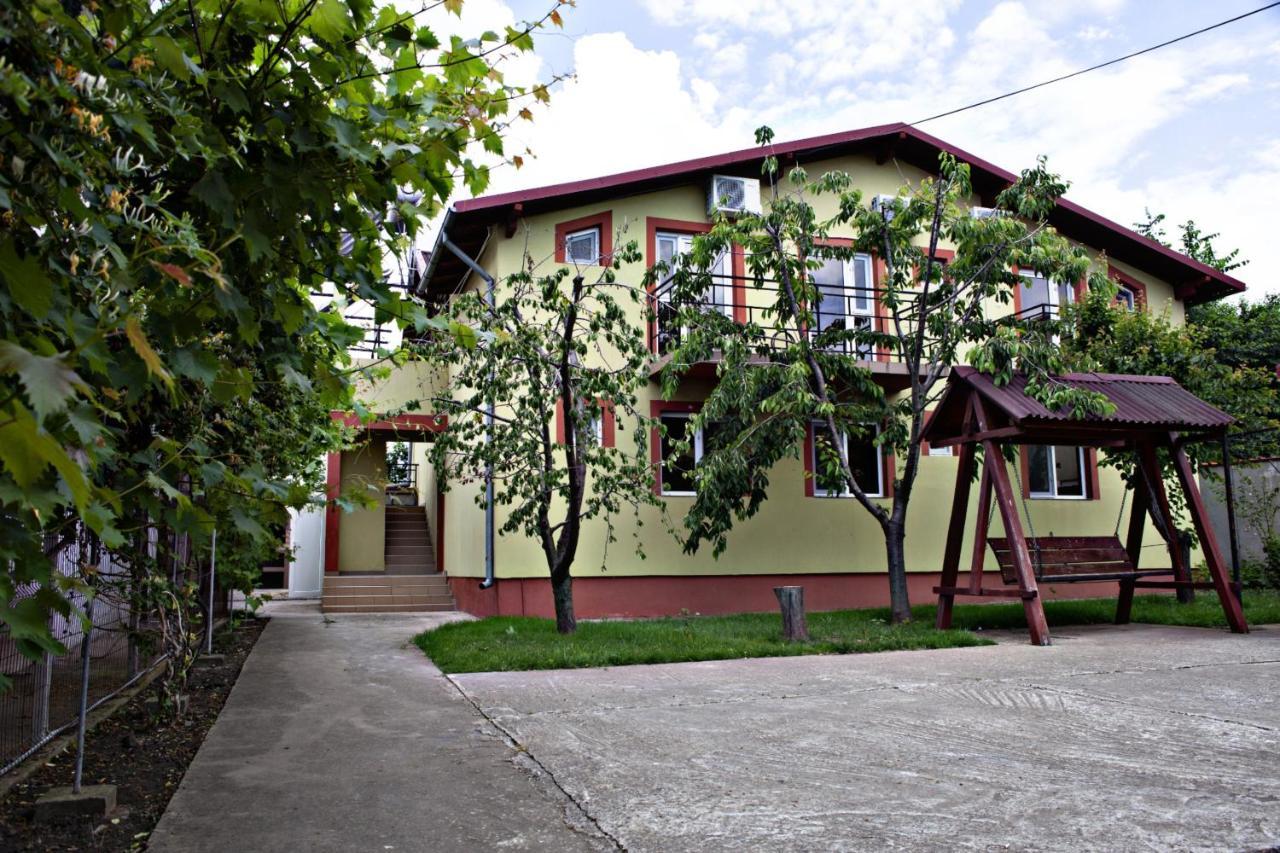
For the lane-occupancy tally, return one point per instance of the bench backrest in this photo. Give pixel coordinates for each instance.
(1066, 555)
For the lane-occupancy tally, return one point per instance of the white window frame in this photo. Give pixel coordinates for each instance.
(722, 283)
(697, 455)
(1131, 303)
(845, 492)
(594, 425)
(1053, 493)
(859, 302)
(594, 233)
(1055, 301)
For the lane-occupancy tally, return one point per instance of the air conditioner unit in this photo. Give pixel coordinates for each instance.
(883, 205)
(984, 212)
(731, 194)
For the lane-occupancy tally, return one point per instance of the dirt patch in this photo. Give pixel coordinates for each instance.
(143, 758)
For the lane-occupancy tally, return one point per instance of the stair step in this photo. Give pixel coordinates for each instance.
(385, 609)
(385, 600)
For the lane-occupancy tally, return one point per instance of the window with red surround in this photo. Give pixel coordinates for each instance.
(1132, 293)
(1060, 472)
(675, 478)
(873, 467)
(602, 429)
(577, 234)
(667, 238)
(925, 449)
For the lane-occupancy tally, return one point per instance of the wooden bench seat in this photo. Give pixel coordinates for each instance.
(1073, 559)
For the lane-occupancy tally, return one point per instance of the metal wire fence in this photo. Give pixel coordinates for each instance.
(43, 697)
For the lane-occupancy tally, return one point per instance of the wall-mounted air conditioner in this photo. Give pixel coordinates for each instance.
(731, 194)
(883, 205)
(984, 212)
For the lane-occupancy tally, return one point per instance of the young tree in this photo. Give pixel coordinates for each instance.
(176, 179)
(792, 368)
(556, 358)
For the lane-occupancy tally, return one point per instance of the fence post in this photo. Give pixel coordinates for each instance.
(41, 690)
(84, 697)
(213, 568)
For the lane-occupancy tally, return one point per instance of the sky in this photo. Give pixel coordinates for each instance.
(1192, 130)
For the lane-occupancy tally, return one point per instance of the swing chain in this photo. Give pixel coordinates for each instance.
(1038, 565)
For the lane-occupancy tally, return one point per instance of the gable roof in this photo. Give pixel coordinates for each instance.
(468, 222)
(1143, 404)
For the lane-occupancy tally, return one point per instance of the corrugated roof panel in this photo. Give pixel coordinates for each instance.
(1148, 401)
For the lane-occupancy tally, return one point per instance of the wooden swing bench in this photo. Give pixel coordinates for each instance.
(1073, 559)
(1152, 413)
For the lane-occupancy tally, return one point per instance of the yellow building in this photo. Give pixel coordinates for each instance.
(828, 544)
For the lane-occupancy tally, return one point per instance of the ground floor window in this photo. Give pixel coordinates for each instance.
(1056, 471)
(675, 477)
(865, 460)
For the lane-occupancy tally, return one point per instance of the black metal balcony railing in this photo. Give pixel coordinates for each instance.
(839, 307)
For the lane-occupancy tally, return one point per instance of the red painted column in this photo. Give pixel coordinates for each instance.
(333, 487)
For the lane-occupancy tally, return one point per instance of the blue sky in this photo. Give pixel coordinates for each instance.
(1192, 130)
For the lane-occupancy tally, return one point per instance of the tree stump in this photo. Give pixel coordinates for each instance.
(791, 600)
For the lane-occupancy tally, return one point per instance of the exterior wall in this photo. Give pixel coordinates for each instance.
(1257, 495)
(427, 487)
(406, 388)
(603, 597)
(362, 531)
(838, 536)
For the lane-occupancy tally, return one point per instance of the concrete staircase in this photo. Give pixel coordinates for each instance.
(410, 583)
(408, 549)
(379, 593)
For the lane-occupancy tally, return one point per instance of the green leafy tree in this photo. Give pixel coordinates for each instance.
(551, 346)
(778, 376)
(176, 180)
(1193, 242)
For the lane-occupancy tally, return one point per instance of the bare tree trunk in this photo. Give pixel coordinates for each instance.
(895, 550)
(562, 595)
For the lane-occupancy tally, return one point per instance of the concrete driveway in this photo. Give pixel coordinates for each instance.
(341, 736)
(1126, 738)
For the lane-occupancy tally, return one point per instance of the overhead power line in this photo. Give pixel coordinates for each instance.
(1109, 62)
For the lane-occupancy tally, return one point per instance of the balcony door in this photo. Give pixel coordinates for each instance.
(1040, 298)
(846, 299)
(670, 246)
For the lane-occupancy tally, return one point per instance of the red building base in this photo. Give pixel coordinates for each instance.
(602, 597)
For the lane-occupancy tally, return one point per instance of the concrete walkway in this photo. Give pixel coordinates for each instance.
(340, 735)
(1134, 738)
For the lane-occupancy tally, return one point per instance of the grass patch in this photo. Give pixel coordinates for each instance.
(1260, 608)
(508, 643)
(513, 643)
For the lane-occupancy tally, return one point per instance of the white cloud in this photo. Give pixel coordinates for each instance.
(629, 107)
(626, 108)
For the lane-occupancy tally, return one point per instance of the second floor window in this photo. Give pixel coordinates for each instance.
(1126, 298)
(846, 299)
(582, 247)
(1041, 298)
(670, 246)
(1056, 471)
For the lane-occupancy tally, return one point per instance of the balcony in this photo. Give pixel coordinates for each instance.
(839, 308)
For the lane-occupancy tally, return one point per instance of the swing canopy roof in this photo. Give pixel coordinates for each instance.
(1147, 408)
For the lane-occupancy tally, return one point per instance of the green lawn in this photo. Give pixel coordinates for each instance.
(524, 643)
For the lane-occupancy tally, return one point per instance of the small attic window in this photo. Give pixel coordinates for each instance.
(582, 247)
